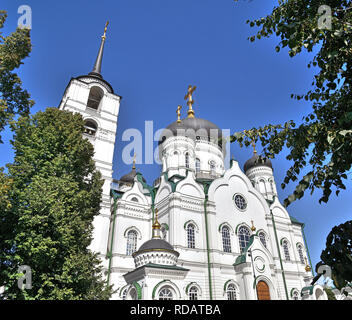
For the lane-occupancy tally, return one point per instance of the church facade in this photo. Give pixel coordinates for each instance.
(199, 231)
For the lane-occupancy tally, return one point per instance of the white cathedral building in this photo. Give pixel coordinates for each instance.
(200, 232)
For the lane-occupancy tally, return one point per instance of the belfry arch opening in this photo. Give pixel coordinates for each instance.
(90, 127)
(96, 94)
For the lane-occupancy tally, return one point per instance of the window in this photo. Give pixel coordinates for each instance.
(197, 165)
(193, 293)
(131, 242)
(243, 236)
(226, 239)
(95, 96)
(286, 252)
(240, 202)
(124, 294)
(187, 160)
(212, 167)
(231, 292)
(134, 199)
(300, 253)
(262, 187)
(90, 127)
(262, 238)
(190, 236)
(295, 295)
(165, 294)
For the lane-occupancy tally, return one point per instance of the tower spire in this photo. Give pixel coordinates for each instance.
(97, 66)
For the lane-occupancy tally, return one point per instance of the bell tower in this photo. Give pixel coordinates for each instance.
(94, 98)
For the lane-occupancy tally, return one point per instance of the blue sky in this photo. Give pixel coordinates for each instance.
(154, 50)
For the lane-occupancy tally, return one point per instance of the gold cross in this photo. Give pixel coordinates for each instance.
(190, 101)
(253, 145)
(106, 28)
(179, 114)
(134, 162)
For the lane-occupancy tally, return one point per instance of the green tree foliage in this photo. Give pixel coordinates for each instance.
(54, 196)
(338, 254)
(320, 147)
(13, 49)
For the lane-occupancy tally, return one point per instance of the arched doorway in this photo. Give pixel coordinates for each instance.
(263, 291)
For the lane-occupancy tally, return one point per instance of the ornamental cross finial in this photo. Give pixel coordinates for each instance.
(190, 100)
(106, 28)
(253, 227)
(179, 114)
(156, 224)
(134, 162)
(253, 145)
(307, 268)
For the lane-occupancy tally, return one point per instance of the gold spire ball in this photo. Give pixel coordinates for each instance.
(156, 224)
(253, 227)
(307, 268)
(190, 100)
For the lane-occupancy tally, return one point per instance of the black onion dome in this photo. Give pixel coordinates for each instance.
(129, 177)
(193, 127)
(156, 244)
(255, 161)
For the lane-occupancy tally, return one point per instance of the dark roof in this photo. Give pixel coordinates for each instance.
(257, 161)
(156, 244)
(195, 128)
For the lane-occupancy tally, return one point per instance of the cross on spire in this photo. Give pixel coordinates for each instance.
(190, 100)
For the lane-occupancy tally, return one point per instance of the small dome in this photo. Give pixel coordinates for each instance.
(255, 161)
(158, 244)
(196, 127)
(129, 177)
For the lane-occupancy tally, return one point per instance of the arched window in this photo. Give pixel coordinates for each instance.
(300, 253)
(262, 238)
(226, 239)
(212, 167)
(231, 292)
(187, 160)
(193, 293)
(124, 294)
(134, 199)
(286, 252)
(295, 295)
(90, 127)
(262, 187)
(191, 243)
(165, 294)
(95, 96)
(131, 242)
(243, 237)
(197, 165)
